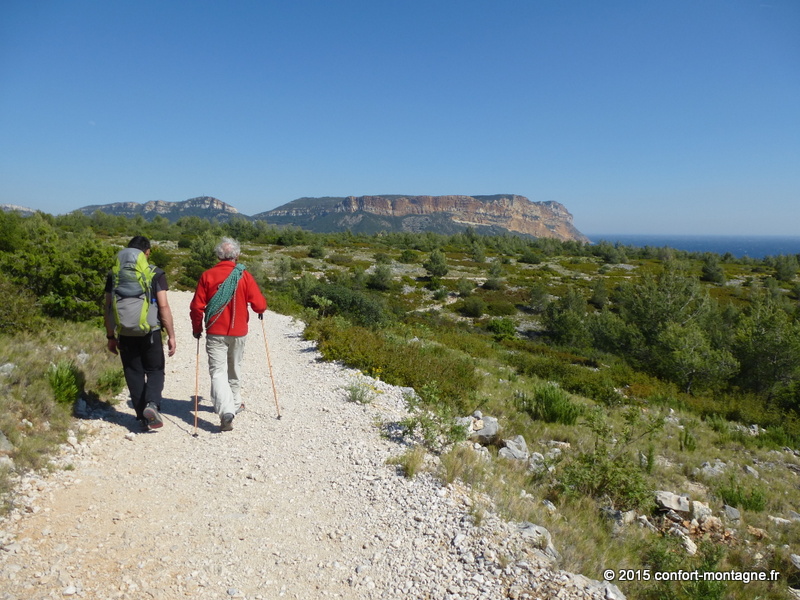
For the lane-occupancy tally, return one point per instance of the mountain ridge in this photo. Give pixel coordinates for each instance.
(201, 206)
(445, 214)
(22, 210)
(448, 214)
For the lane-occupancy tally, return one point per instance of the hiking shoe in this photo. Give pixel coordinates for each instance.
(240, 409)
(154, 420)
(227, 422)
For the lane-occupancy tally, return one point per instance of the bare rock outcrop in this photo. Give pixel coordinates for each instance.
(445, 214)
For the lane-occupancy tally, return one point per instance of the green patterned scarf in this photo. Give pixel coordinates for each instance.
(223, 296)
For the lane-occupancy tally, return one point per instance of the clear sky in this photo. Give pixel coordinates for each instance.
(640, 116)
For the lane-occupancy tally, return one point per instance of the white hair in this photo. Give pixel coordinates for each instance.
(228, 249)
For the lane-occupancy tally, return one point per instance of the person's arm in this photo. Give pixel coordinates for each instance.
(254, 296)
(165, 316)
(108, 316)
(197, 308)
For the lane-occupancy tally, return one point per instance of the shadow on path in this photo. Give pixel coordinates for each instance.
(178, 412)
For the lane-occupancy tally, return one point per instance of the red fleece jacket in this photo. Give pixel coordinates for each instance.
(234, 317)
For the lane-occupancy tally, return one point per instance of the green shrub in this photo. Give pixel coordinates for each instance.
(436, 265)
(322, 303)
(440, 294)
(297, 266)
(538, 297)
(18, 311)
(160, 257)
(66, 381)
(380, 278)
(472, 307)
(201, 257)
(650, 459)
(608, 471)
(110, 382)
(778, 437)
(598, 475)
(399, 362)
(65, 272)
(748, 498)
(408, 257)
(477, 253)
(464, 287)
(500, 308)
(493, 284)
(340, 259)
(686, 440)
(358, 307)
(502, 329)
(531, 257)
(665, 554)
(432, 419)
(576, 379)
(718, 423)
(549, 403)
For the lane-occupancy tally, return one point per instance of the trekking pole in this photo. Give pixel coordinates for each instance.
(269, 363)
(196, 385)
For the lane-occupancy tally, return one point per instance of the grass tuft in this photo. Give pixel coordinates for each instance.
(411, 461)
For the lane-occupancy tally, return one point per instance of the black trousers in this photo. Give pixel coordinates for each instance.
(143, 365)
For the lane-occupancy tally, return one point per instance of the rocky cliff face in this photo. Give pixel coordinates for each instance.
(202, 206)
(490, 215)
(419, 213)
(22, 210)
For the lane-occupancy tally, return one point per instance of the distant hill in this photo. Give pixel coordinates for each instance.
(490, 215)
(204, 207)
(497, 214)
(25, 212)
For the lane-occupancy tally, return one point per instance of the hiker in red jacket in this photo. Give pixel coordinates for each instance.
(220, 302)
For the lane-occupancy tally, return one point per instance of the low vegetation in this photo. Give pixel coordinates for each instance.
(626, 370)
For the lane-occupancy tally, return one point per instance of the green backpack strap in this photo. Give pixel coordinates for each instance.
(132, 278)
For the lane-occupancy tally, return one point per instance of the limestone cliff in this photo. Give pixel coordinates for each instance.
(203, 206)
(21, 210)
(491, 215)
(445, 214)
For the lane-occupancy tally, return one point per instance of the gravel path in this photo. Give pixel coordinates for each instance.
(301, 507)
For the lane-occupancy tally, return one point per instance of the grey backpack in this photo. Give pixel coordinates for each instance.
(135, 307)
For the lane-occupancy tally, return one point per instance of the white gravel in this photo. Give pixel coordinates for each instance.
(301, 507)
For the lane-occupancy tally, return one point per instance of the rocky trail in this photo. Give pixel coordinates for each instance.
(301, 507)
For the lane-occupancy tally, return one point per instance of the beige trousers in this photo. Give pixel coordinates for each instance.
(225, 354)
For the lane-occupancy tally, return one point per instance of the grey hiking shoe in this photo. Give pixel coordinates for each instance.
(226, 422)
(152, 416)
(240, 408)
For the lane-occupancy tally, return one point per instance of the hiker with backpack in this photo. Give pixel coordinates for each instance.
(136, 311)
(220, 303)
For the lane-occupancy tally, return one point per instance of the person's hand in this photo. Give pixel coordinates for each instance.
(260, 316)
(197, 335)
(171, 346)
(112, 345)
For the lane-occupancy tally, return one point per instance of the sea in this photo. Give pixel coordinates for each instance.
(752, 246)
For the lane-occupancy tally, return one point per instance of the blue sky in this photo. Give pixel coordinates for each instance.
(678, 117)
